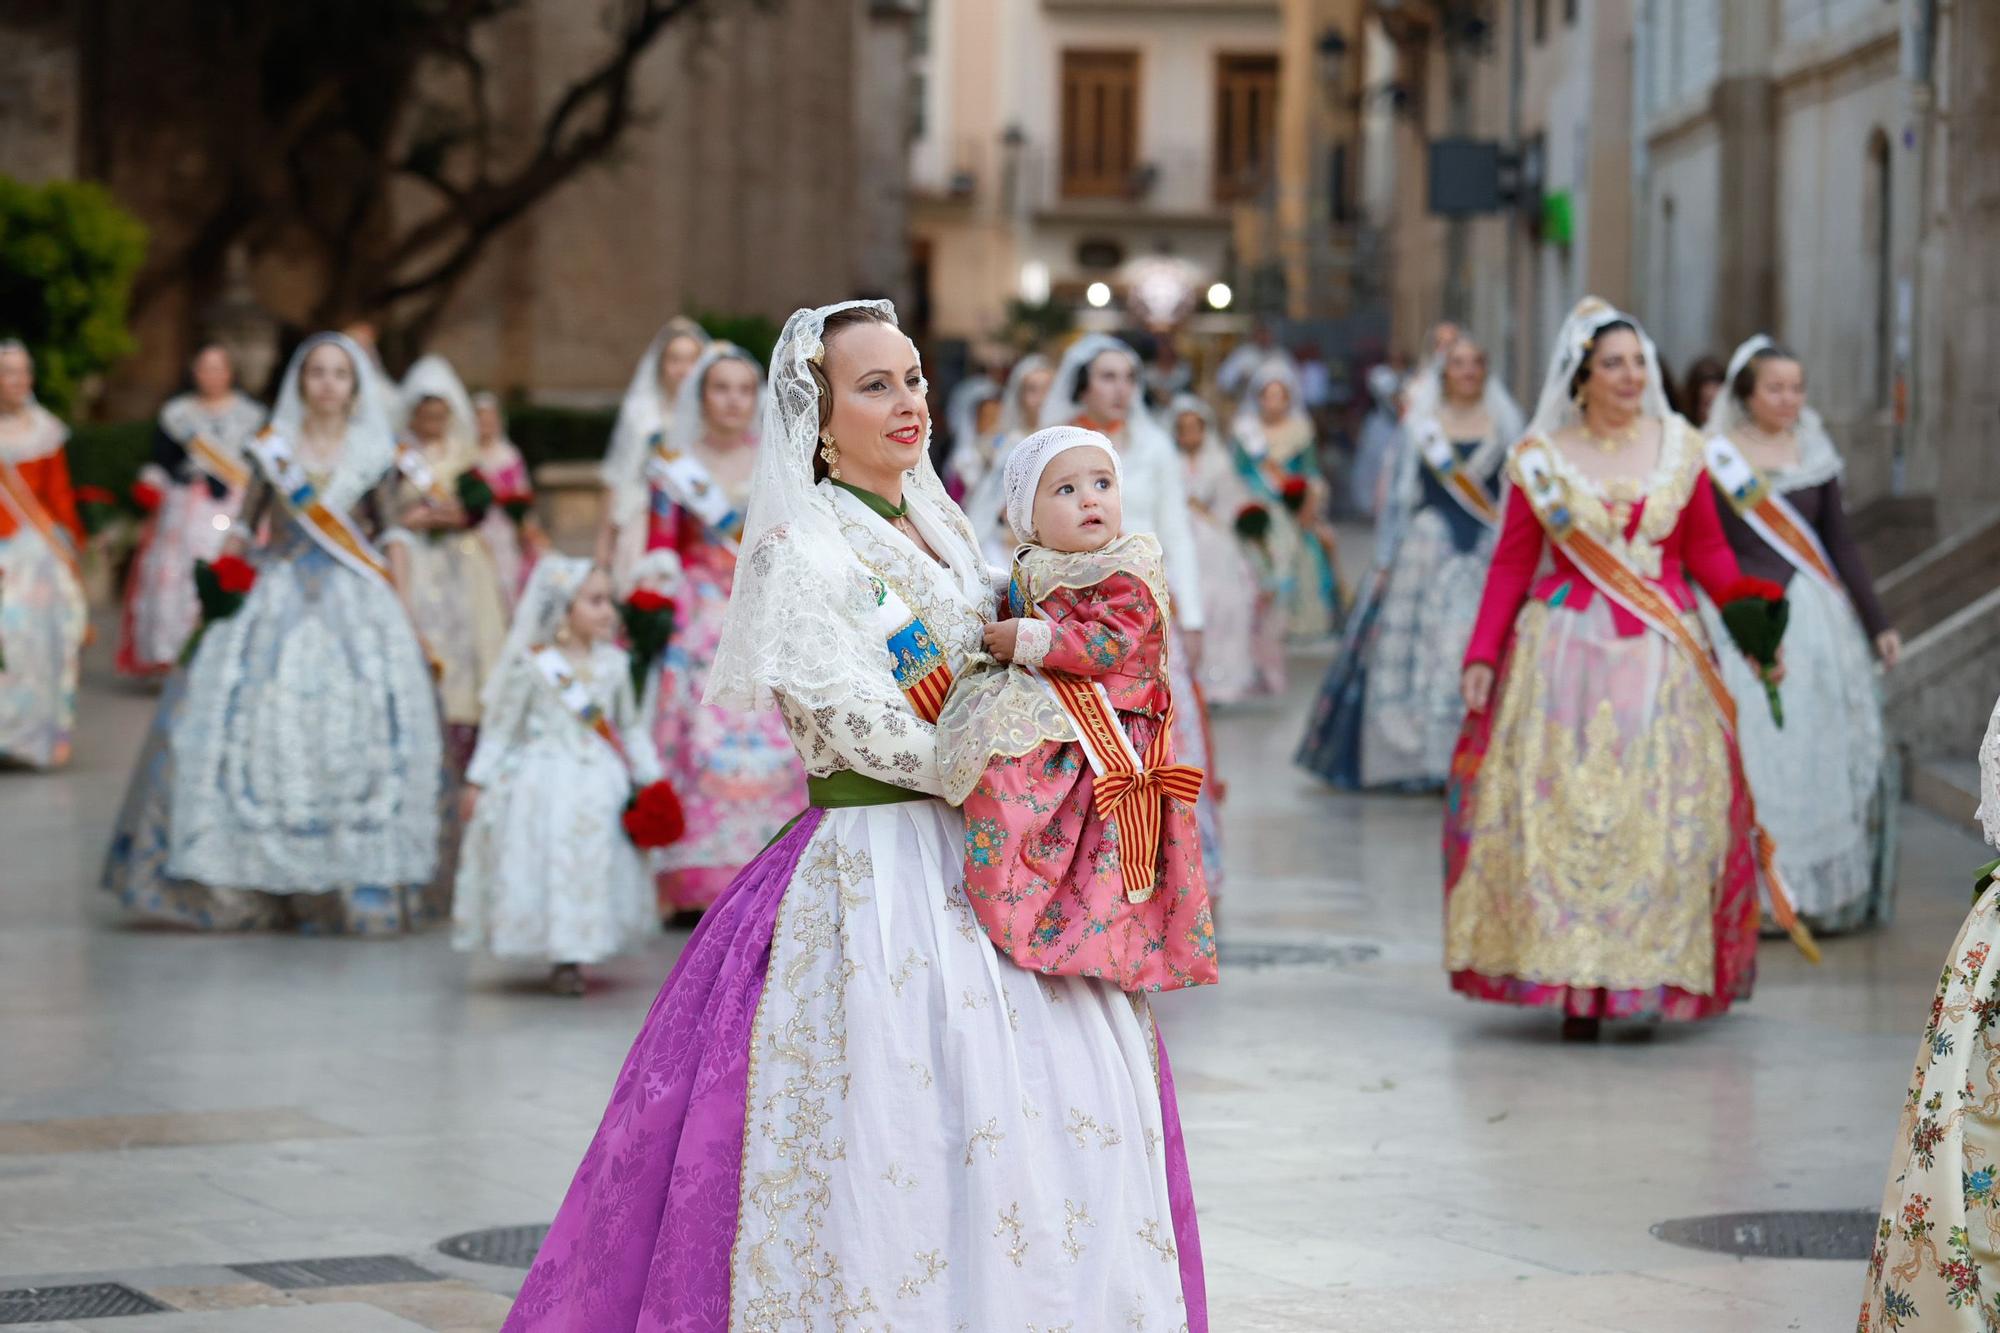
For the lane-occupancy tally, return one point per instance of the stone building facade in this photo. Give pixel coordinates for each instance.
(767, 169)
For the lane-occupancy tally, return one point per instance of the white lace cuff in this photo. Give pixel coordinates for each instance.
(1031, 644)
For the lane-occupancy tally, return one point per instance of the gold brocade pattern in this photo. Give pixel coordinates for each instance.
(1602, 815)
(798, 1067)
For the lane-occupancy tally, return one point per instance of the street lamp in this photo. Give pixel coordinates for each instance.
(1219, 295)
(1098, 294)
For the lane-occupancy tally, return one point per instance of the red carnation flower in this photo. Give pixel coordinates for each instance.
(235, 574)
(1750, 586)
(645, 599)
(95, 495)
(653, 816)
(146, 495)
(1294, 488)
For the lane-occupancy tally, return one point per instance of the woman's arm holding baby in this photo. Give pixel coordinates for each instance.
(1086, 632)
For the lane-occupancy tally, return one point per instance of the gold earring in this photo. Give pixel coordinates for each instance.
(830, 451)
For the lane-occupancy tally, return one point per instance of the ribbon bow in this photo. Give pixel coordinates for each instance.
(1136, 801)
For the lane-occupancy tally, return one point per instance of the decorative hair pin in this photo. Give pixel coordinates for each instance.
(818, 356)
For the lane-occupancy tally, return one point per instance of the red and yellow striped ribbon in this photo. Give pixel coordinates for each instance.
(1132, 794)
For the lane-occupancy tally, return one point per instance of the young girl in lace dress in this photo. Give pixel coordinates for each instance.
(547, 870)
(1081, 851)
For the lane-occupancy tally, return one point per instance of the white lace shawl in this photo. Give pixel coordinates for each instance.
(1989, 778)
(801, 614)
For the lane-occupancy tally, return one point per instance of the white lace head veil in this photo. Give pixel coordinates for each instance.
(1555, 409)
(961, 415)
(799, 611)
(1249, 424)
(1817, 455)
(370, 450)
(1027, 461)
(540, 613)
(642, 412)
(1013, 422)
(687, 428)
(1064, 405)
(433, 377)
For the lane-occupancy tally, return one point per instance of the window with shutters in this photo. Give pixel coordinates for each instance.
(1100, 123)
(1246, 117)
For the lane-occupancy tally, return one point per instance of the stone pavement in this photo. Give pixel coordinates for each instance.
(1370, 1152)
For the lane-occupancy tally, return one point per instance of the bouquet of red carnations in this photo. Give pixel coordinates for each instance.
(653, 816)
(96, 507)
(222, 586)
(1293, 492)
(1253, 523)
(518, 504)
(1755, 612)
(649, 623)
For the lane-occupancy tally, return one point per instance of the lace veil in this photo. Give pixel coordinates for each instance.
(642, 412)
(1062, 408)
(1013, 425)
(539, 614)
(370, 449)
(685, 428)
(433, 377)
(1555, 409)
(799, 620)
(1819, 460)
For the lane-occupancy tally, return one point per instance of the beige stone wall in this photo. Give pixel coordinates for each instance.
(768, 174)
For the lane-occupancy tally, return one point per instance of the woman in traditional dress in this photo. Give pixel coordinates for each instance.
(511, 543)
(1096, 386)
(43, 616)
(736, 774)
(197, 471)
(1777, 477)
(294, 772)
(640, 430)
(1278, 457)
(1936, 1262)
(1379, 447)
(1389, 713)
(1240, 660)
(1598, 831)
(1020, 408)
(442, 565)
(844, 1100)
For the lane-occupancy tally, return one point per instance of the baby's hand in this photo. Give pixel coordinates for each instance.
(1000, 637)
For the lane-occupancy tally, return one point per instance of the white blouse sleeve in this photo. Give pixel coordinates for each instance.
(886, 743)
(504, 725)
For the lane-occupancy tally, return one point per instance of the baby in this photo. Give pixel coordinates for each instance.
(1081, 852)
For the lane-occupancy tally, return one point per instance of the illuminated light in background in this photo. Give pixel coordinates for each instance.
(1035, 282)
(220, 522)
(1098, 294)
(1219, 295)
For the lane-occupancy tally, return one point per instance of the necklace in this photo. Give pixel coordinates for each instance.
(1612, 443)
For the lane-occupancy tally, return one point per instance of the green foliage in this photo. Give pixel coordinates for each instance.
(68, 254)
(559, 434)
(755, 334)
(110, 455)
(1030, 326)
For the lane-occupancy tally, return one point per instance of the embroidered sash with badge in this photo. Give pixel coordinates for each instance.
(1442, 461)
(1768, 513)
(681, 479)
